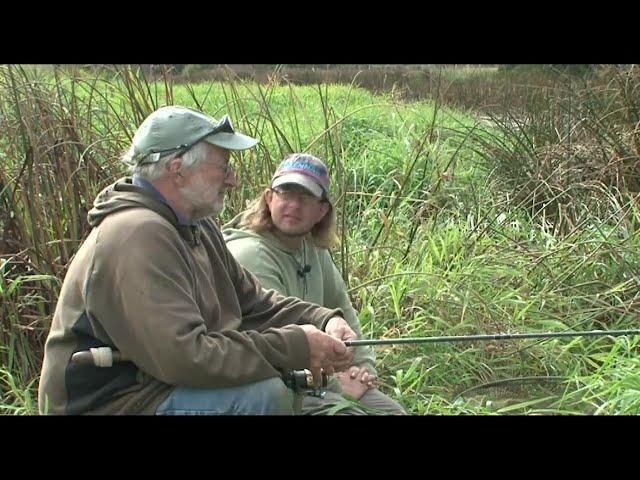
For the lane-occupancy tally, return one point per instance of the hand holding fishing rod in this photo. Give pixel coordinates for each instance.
(327, 349)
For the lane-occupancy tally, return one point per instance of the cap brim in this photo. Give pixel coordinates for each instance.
(299, 179)
(231, 141)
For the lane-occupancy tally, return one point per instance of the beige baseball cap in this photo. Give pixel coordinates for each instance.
(175, 128)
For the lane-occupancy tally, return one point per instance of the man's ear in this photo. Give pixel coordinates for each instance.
(175, 165)
(324, 209)
(268, 196)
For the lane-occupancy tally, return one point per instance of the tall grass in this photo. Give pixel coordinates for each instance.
(450, 224)
(482, 88)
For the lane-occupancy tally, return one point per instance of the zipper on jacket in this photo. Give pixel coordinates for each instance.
(195, 234)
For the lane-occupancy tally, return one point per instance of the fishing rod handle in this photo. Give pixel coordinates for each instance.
(99, 357)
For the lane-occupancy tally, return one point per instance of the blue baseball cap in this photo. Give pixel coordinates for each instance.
(304, 170)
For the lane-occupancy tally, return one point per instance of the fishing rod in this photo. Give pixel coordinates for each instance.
(302, 382)
(106, 357)
(505, 336)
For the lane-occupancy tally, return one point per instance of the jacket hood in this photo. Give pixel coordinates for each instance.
(237, 229)
(122, 195)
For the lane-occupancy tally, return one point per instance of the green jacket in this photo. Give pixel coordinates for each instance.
(277, 266)
(172, 299)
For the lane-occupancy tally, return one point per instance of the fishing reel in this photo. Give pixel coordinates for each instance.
(301, 382)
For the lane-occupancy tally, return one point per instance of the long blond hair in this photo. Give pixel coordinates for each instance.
(257, 217)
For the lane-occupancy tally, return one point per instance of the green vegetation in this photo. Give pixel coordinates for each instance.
(490, 211)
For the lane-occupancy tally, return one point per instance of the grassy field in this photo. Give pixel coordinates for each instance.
(456, 217)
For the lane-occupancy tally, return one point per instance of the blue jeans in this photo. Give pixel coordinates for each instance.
(267, 397)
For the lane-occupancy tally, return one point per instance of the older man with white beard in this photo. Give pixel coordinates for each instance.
(155, 287)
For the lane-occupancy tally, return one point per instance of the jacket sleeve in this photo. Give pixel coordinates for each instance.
(335, 296)
(141, 291)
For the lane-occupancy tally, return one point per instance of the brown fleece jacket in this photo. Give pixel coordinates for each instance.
(173, 300)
